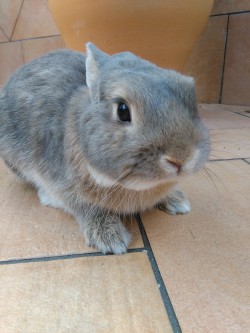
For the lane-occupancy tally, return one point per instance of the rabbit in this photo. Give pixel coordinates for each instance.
(101, 137)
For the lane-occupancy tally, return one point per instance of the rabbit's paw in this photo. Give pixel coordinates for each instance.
(175, 202)
(107, 234)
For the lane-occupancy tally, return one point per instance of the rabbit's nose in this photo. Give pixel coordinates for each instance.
(176, 163)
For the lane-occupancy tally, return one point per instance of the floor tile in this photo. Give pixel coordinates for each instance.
(232, 6)
(229, 131)
(35, 20)
(215, 116)
(206, 60)
(236, 80)
(29, 229)
(11, 57)
(204, 256)
(9, 11)
(98, 294)
(230, 143)
(33, 48)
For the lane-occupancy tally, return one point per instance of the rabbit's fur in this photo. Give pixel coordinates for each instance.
(59, 131)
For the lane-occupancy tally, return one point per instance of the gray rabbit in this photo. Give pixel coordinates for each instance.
(101, 137)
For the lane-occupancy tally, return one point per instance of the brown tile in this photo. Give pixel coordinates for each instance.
(98, 294)
(9, 11)
(232, 6)
(34, 48)
(236, 81)
(204, 256)
(215, 116)
(3, 37)
(206, 60)
(29, 229)
(230, 143)
(11, 57)
(35, 20)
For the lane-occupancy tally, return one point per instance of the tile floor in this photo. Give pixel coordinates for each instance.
(181, 273)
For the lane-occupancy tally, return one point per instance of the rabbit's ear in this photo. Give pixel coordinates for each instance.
(94, 61)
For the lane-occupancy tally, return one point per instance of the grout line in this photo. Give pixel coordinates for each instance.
(224, 62)
(30, 38)
(248, 162)
(164, 293)
(237, 112)
(231, 13)
(227, 159)
(240, 114)
(51, 258)
(4, 35)
(16, 20)
(62, 257)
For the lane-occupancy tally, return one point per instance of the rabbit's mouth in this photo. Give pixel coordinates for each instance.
(167, 171)
(129, 181)
(138, 184)
(100, 178)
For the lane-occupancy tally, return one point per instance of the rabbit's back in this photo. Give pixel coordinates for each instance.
(34, 105)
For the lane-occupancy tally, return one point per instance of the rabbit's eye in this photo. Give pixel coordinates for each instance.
(123, 112)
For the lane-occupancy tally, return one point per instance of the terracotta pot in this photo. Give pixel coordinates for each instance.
(162, 31)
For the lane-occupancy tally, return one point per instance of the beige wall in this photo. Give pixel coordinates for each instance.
(220, 61)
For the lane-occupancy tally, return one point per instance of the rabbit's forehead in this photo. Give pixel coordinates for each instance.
(136, 89)
(147, 98)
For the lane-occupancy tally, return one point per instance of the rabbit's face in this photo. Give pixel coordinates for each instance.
(144, 128)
